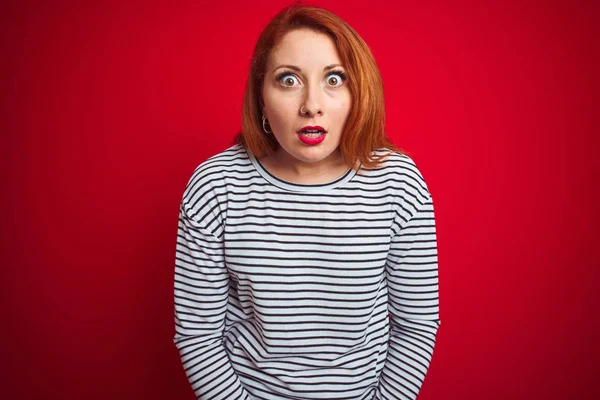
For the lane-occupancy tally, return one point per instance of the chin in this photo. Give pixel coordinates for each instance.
(313, 154)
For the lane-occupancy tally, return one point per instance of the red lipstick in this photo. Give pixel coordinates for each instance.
(312, 128)
(312, 135)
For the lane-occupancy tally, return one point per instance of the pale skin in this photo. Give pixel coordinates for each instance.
(311, 78)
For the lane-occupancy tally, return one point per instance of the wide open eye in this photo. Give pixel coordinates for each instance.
(286, 79)
(336, 78)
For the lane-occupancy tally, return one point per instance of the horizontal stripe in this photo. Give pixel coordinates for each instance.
(285, 291)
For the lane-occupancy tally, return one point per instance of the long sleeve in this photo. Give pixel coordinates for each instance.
(201, 293)
(412, 276)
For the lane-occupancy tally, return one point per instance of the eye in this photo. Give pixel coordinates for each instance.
(336, 78)
(287, 79)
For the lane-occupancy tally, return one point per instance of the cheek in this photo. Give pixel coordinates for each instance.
(267, 98)
(342, 107)
(282, 111)
(342, 101)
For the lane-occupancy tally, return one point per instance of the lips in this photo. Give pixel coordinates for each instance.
(311, 139)
(312, 129)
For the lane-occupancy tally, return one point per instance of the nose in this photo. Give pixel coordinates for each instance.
(312, 104)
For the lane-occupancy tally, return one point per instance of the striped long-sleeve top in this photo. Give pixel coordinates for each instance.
(296, 291)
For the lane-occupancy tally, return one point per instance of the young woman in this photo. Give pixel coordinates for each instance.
(306, 260)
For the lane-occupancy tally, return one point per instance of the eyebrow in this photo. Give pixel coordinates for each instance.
(295, 68)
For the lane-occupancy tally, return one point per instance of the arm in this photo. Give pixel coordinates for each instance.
(412, 277)
(201, 289)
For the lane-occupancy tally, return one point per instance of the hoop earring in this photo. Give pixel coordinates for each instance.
(264, 119)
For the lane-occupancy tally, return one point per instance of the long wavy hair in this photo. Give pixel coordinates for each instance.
(364, 131)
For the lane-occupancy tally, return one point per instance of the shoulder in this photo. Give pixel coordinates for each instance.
(218, 164)
(202, 190)
(403, 173)
(405, 182)
(215, 168)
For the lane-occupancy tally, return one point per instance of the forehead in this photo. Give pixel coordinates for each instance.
(304, 48)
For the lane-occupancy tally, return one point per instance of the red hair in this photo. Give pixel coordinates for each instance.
(364, 131)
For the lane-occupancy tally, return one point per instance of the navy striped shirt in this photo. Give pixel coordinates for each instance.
(285, 290)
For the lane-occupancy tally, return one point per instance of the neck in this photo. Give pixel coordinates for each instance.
(303, 169)
(288, 168)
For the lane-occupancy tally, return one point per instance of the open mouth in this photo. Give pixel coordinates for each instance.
(312, 134)
(312, 138)
(312, 131)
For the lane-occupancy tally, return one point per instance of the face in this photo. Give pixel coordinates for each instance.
(304, 70)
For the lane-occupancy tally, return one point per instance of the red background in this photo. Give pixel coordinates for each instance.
(109, 108)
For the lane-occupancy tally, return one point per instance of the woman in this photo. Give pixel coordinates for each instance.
(306, 263)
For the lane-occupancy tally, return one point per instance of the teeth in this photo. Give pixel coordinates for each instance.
(312, 133)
